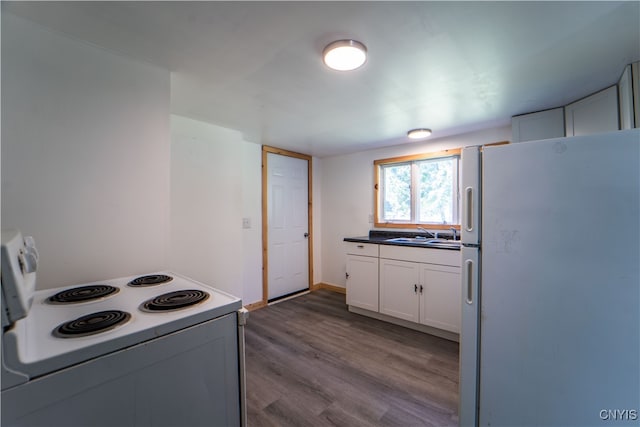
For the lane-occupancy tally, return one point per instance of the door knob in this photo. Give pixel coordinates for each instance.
(306, 234)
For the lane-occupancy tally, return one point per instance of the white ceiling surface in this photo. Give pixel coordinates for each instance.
(450, 66)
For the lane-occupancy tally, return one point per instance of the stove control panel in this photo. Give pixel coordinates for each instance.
(29, 256)
(19, 258)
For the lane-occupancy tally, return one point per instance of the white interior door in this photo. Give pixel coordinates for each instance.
(288, 225)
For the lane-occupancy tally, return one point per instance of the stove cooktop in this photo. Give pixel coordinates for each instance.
(58, 334)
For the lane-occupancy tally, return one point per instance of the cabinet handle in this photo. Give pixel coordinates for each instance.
(421, 288)
(361, 246)
(415, 288)
(346, 275)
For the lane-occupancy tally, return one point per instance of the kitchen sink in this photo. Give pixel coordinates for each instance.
(409, 240)
(447, 241)
(424, 241)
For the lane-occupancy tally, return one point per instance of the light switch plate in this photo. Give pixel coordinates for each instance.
(246, 222)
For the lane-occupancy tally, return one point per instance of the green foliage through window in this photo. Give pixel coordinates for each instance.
(397, 195)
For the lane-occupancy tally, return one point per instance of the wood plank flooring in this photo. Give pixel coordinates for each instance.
(310, 362)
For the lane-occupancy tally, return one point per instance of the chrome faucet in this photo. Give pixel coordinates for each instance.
(434, 235)
(454, 231)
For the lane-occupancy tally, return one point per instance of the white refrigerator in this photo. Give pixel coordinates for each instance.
(551, 285)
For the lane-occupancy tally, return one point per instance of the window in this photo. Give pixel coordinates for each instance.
(418, 190)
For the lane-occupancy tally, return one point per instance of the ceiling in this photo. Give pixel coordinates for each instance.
(453, 67)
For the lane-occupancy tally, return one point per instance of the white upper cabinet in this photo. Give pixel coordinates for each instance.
(540, 125)
(596, 113)
(625, 98)
(614, 108)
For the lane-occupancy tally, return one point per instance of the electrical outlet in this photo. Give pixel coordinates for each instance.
(246, 222)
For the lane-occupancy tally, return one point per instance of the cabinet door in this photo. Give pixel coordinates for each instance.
(594, 114)
(398, 283)
(362, 282)
(441, 297)
(540, 125)
(625, 97)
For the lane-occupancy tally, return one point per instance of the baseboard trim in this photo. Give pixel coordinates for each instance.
(255, 305)
(329, 287)
(451, 336)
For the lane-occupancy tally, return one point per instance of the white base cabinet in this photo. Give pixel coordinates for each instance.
(440, 300)
(417, 286)
(362, 275)
(399, 284)
(426, 292)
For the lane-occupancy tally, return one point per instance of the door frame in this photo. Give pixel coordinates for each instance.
(266, 149)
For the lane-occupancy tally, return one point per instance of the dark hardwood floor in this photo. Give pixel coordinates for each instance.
(310, 362)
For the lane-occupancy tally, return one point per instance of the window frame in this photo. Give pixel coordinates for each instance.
(413, 160)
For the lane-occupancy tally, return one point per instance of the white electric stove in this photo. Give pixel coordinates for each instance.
(154, 350)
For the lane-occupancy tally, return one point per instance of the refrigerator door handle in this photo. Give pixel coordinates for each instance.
(469, 211)
(468, 280)
(243, 315)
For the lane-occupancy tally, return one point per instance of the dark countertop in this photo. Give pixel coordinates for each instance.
(380, 237)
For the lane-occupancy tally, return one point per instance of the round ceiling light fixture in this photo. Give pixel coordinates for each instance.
(419, 133)
(344, 55)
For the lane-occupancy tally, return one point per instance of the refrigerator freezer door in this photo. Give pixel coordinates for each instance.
(468, 388)
(559, 297)
(471, 196)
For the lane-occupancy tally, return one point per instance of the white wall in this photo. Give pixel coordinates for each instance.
(215, 183)
(348, 196)
(252, 209)
(85, 155)
(91, 168)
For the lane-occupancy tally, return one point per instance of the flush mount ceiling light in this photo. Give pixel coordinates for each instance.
(344, 55)
(419, 133)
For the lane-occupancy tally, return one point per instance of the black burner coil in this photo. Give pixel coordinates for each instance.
(82, 294)
(174, 300)
(92, 324)
(150, 280)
